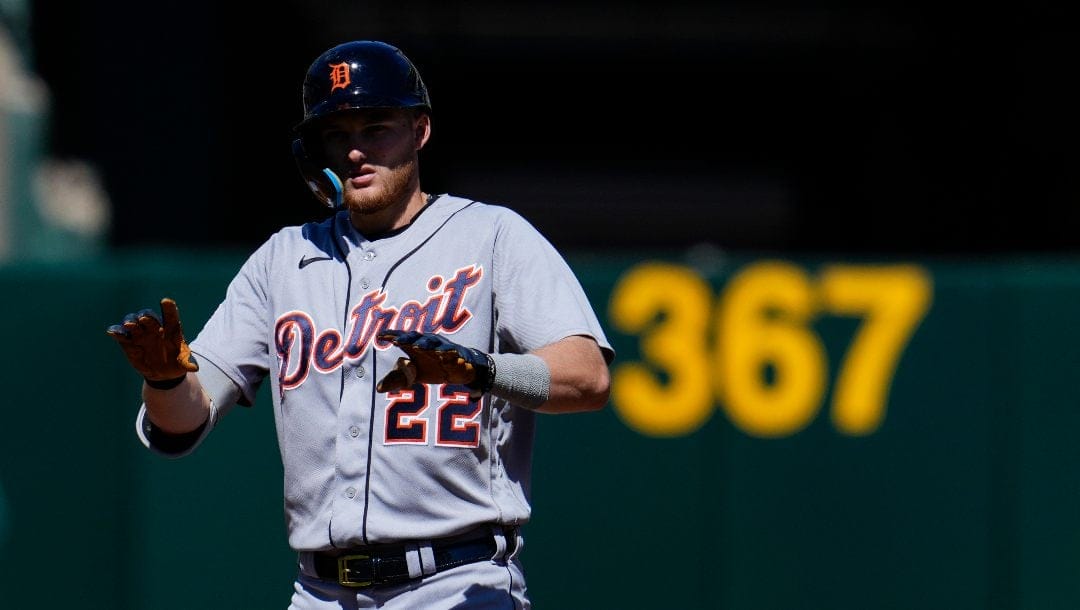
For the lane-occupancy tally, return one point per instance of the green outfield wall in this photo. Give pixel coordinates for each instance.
(783, 433)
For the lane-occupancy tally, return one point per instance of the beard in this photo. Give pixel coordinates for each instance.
(391, 188)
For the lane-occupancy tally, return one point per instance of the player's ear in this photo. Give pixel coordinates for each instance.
(421, 129)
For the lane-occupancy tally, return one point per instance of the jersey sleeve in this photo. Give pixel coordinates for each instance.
(538, 298)
(235, 337)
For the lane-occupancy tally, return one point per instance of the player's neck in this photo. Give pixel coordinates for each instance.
(392, 219)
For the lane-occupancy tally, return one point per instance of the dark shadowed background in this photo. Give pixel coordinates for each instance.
(894, 128)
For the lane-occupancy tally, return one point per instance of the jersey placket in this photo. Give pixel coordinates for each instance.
(357, 419)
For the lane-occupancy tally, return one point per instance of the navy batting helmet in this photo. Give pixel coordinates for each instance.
(358, 74)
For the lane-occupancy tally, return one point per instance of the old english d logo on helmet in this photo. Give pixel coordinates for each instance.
(339, 76)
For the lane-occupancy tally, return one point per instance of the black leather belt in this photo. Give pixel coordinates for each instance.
(375, 565)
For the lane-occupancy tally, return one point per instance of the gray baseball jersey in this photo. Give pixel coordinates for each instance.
(363, 467)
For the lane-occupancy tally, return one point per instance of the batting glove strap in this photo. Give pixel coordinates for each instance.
(166, 384)
(485, 373)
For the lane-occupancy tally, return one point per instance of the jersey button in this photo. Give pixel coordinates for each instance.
(354, 431)
(350, 493)
(369, 255)
(364, 284)
(360, 372)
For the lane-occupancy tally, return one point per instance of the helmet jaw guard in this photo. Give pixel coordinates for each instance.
(349, 76)
(324, 183)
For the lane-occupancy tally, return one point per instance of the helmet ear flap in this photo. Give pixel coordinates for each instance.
(324, 183)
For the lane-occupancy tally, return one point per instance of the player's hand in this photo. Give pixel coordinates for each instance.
(154, 344)
(435, 359)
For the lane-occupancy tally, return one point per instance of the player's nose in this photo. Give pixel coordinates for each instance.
(356, 156)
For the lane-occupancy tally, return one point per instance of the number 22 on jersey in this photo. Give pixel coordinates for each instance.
(411, 414)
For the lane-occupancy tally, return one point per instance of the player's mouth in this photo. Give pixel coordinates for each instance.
(361, 180)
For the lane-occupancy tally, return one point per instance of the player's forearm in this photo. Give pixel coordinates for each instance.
(178, 410)
(579, 376)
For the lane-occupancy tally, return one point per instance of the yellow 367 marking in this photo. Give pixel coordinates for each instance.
(757, 353)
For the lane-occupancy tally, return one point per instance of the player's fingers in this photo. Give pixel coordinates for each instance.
(131, 326)
(430, 342)
(440, 344)
(402, 338)
(416, 344)
(118, 332)
(428, 364)
(414, 352)
(148, 316)
(440, 367)
(402, 376)
(170, 314)
(448, 357)
(148, 321)
(174, 334)
(455, 368)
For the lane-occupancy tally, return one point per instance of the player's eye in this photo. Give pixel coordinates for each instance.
(334, 136)
(374, 131)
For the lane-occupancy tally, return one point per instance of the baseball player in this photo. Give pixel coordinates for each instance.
(409, 341)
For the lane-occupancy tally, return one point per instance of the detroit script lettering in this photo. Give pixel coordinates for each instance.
(301, 346)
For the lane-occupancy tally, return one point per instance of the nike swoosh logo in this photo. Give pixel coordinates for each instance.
(305, 261)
